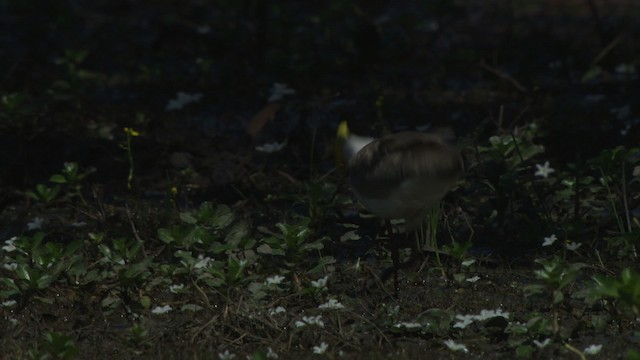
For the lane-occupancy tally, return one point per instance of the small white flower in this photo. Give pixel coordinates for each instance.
(279, 91)
(490, 314)
(408, 325)
(320, 349)
(573, 246)
(452, 345)
(202, 262)
(468, 262)
(159, 310)
(320, 283)
(549, 240)
(69, 166)
(10, 266)
(592, 349)
(277, 310)
(10, 244)
(271, 354)
(332, 304)
(543, 170)
(182, 99)
(626, 69)
(621, 113)
(542, 344)
(271, 147)
(463, 321)
(554, 64)
(203, 29)
(466, 320)
(35, 224)
(594, 97)
(176, 288)
(310, 320)
(226, 355)
(8, 303)
(274, 280)
(473, 279)
(300, 324)
(314, 320)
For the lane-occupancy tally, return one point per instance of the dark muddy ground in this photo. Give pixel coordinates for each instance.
(168, 184)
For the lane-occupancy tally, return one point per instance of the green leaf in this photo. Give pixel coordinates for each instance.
(44, 281)
(166, 236)
(558, 297)
(23, 272)
(222, 217)
(533, 289)
(145, 301)
(264, 249)
(58, 179)
(237, 233)
(10, 283)
(524, 351)
(188, 218)
(110, 302)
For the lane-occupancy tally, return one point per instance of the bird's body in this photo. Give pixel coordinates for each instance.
(400, 176)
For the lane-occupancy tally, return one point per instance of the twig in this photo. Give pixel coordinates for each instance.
(199, 330)
(575, 351)
(135, 230)
(204, 296)
(374, 325)
(606, 51)
(505, 77)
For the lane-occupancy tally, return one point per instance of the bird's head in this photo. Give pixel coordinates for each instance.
(348, 144)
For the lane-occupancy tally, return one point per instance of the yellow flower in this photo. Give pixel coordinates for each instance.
(131, 132)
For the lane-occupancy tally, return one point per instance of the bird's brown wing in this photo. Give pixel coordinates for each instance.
(384, 164)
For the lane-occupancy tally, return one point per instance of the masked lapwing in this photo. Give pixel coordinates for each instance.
(401, 175)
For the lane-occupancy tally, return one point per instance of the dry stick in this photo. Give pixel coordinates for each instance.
(575, 351)
(576, 189)
(374, 326)
(237, 340)
(625, 202)
(204, 296)
(606, 50)
(291, 179)
(98, 195)
(201, 328)
(135, 231)
(505, 77)
(325, 175)
(624, 196)
(613, 204)
(313, 144)
(85, 213)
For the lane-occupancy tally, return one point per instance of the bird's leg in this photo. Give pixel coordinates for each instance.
(394, 257)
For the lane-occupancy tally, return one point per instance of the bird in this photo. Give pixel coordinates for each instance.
(400, 175)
